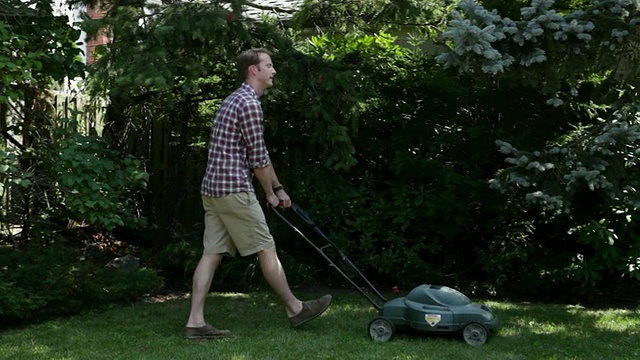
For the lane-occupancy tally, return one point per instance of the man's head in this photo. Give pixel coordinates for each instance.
(256, 68)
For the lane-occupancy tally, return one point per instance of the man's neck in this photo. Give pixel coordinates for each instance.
(256, 86)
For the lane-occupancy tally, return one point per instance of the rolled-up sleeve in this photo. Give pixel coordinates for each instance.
(253, 134)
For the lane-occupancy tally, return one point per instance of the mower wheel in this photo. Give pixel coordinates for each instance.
(381, 329)
(475, 334)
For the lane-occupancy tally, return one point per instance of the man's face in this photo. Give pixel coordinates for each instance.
(266, 71)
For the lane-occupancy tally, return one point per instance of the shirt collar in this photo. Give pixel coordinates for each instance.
(251, 89)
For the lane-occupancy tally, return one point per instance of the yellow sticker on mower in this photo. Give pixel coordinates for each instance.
(432, 319)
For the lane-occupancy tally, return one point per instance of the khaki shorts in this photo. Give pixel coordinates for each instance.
(233, 223)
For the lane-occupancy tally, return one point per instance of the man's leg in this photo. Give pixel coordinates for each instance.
(250, 233)
(202, 278)
(298, 312)
(217, 243)
(275, 276)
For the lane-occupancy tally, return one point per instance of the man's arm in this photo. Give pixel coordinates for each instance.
(252, 132)
(269, 180)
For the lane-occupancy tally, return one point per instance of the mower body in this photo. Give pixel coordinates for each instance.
(438, 309)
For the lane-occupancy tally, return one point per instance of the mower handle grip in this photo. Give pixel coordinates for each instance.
(298, 210)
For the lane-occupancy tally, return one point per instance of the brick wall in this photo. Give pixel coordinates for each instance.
(95, 13)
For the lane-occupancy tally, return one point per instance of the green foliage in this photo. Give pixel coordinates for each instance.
(607, 253)
(95, 185)
(36, 48)
(397, 210)
(555, 51)
(10, 173)
(583, 54)
(513, 8)
(590, 179)
(176, 261)
(75, 176)
(322, 92)
(13, 69)
(46, 281)
(603, 159)
(169, 50)
(52, 174)
(339, 16)
(169, 66)
(389, 150)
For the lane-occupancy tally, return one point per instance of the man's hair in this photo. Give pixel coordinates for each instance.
(248, 58)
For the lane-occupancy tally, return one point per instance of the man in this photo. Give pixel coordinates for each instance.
(234, 220)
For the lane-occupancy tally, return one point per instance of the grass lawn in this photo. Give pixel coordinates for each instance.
(260, 329)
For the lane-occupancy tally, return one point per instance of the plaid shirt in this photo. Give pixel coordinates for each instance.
(236, 145)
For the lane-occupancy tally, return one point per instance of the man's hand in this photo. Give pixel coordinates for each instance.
(273, 200)
(285, 200)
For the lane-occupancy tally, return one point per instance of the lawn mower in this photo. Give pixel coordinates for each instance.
(432, 309)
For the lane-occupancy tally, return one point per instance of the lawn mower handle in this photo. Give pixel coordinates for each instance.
(298, 210)
(321, 249)
(302, 214)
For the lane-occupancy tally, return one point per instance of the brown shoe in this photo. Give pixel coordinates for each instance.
(204, 332)
(310, 310)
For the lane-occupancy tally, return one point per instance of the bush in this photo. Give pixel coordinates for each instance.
(42, 282)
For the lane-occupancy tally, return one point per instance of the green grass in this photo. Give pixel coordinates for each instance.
(260, 331)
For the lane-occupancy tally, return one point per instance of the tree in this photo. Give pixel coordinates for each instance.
(585, 60)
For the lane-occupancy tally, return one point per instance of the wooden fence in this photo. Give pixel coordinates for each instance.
(88, 112)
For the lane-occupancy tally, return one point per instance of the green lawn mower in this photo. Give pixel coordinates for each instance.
(429, 309)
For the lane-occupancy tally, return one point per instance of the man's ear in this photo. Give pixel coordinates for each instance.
(253, 69)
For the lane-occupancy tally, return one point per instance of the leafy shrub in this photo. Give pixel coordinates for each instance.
(176, 261)
(95, 184)
(48, 281)
(75, 177)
